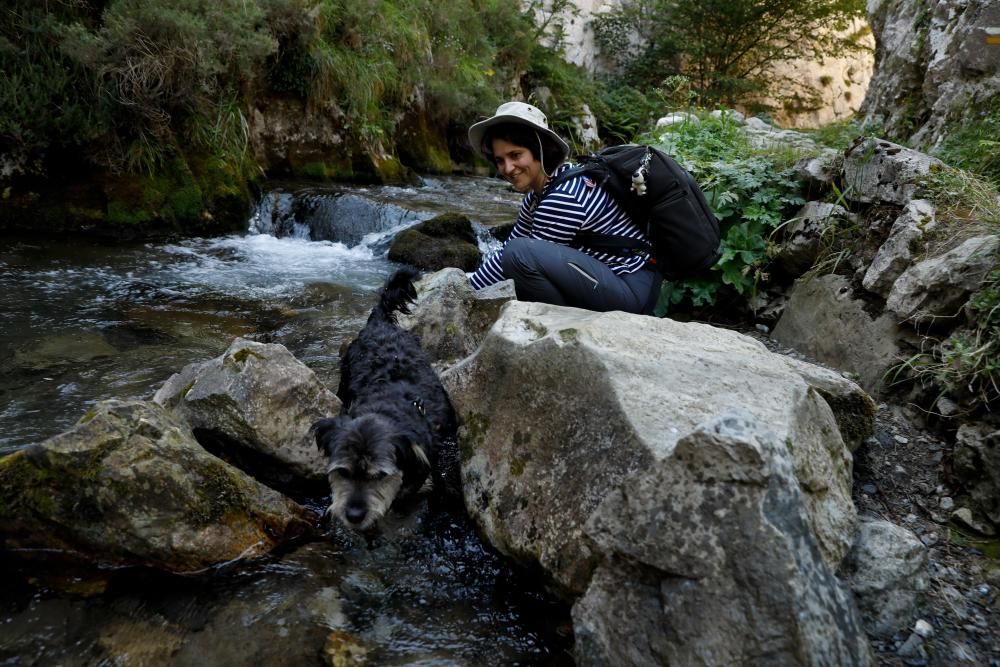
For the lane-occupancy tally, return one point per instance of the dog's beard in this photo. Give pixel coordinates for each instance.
(373, 497)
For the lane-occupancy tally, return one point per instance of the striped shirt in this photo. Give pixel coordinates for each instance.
(575, 205)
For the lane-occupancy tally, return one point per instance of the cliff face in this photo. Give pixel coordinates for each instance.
(937, 63)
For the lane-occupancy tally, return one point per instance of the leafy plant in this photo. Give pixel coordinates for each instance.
(751, 194)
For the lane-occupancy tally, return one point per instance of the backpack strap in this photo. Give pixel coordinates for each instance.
(594, 165)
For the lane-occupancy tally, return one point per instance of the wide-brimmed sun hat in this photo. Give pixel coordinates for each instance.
(520, 114)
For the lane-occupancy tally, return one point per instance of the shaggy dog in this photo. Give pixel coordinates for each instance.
(395, 420)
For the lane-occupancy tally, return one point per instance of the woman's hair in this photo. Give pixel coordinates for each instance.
(525, 137)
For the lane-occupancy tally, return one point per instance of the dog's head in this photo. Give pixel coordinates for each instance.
(370, 463)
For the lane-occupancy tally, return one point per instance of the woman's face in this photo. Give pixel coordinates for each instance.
(518, 166)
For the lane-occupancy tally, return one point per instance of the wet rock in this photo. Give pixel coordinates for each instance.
(450, 317)
(128, 485)
(444, 241)
(256, 397)
(594, 496)
(342, 649)
(887, 570)
(63, 349)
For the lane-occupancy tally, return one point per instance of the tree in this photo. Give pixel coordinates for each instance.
(726, 48)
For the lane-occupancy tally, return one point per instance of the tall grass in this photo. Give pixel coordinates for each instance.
(127, 83)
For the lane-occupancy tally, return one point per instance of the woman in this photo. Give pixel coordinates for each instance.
(541, 255)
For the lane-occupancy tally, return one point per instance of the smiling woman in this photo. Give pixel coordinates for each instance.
(543, 255)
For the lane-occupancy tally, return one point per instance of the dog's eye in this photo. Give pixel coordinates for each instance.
(343, 472)
(380, 476)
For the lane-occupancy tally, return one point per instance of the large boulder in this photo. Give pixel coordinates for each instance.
(128, 485)
(450, 317)
(824, 320)
(720, 569)
(443, 241)
(256, 404)
(581, 437)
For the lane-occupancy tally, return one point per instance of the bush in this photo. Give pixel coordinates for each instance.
(752, 194)
(975, 146)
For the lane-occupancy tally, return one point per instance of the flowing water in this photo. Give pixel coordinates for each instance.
(80, 323)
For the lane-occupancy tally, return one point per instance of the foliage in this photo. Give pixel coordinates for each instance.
(966, 365)
(726, 47)
(968, 201)
(626, 111)
(841, 135)
(126, 81)
(975, 146)
(751, 193)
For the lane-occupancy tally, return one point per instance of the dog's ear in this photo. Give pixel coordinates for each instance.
(324, 430)
(411, 458)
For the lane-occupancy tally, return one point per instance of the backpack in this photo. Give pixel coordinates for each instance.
(662, 199)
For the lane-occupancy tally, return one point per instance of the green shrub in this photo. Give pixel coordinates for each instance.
(751, 193)
(975, 146)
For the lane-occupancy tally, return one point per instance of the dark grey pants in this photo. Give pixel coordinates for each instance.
(557, 274)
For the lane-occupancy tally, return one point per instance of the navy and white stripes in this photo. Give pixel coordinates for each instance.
(575, 205)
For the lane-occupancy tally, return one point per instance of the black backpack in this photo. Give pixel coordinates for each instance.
(663, 199)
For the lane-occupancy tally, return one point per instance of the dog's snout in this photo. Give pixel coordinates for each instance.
(355, 513)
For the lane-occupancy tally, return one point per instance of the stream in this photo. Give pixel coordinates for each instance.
(80, 323)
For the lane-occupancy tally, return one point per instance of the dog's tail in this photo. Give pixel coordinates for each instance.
(397, 295)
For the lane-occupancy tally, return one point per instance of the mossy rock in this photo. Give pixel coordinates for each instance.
(448, 225)
(444, 241)
(423, 147)
(128, 485)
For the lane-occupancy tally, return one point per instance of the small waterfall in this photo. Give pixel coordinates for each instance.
(329, 215)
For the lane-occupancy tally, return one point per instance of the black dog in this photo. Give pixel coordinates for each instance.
(396, 418)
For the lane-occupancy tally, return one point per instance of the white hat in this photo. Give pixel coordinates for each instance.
(520, 114)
